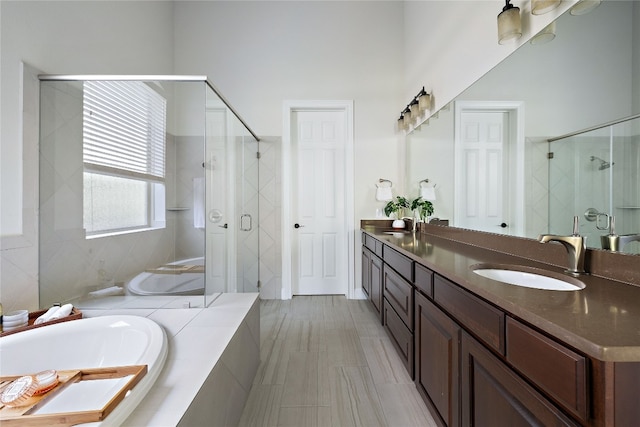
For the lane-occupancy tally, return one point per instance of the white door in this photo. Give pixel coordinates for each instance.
(319, 237)
(482, 170)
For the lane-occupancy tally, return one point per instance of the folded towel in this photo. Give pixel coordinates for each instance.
(62, 312)
(46, 316)
(383, 194)
(428, 191)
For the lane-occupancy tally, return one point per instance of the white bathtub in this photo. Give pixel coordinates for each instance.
(147, 283)
(89, 343)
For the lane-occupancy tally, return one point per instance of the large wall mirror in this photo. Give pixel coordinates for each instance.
(494, 154)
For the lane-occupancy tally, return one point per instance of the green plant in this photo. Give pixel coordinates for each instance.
(394, 207)
(424, 207)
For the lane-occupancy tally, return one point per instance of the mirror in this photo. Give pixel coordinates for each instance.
(586, 76)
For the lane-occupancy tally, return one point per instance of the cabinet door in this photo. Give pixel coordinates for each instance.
(366, 271)
(493, 395)
(375, 293)
(437, 356)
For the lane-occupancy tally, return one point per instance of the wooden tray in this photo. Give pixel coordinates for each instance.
(75, 314)
(21, 416)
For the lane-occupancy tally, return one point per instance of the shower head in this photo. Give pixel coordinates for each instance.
(603, 163)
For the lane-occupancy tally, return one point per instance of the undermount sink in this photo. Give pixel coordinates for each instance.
(528, 277)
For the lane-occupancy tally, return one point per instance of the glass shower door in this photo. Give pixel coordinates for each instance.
(248, 207)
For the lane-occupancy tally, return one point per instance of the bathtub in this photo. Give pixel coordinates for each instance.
(97, 342)
(149, 283)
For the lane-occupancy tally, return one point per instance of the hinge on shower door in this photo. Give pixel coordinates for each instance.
(258, 155)
(259, 284)
(550, 155)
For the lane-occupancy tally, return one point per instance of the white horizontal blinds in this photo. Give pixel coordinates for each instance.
(124, 130)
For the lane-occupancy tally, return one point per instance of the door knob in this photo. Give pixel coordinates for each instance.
(504, 225)
(296, 225)
(224, 226)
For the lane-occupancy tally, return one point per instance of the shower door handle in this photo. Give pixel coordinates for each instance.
(246, 222)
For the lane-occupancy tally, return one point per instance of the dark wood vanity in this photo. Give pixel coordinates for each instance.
(485, 353)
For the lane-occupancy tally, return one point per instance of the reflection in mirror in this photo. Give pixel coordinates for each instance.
(595, 176)
(576, 81)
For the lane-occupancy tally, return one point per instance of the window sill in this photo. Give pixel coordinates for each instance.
(123, 232)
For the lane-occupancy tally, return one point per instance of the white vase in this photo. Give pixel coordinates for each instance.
(397, 223)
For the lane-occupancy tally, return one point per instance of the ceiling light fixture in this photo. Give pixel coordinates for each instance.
(509, 25)
(540, 7)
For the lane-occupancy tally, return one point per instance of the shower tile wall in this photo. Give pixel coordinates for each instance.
(270, 218)
(70, 265)
(188, 155)
(537, 184)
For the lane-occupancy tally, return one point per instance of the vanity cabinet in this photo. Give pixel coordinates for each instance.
(372, 271)
(493, 395)
(437, 357)
(398, 314)
(475, 363)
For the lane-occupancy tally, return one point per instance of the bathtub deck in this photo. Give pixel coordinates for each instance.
(214, 353)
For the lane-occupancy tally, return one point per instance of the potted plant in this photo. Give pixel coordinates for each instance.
(423, 207)
(395, 207)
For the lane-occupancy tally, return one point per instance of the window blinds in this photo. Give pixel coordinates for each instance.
(124, 130)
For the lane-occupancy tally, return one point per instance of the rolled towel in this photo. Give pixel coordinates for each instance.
(46, 316)
(112, 290)
(62, 312)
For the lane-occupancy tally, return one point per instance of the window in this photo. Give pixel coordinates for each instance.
(124, 157)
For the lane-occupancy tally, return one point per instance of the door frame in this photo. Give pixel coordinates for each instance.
(289, 107)
(515, 180)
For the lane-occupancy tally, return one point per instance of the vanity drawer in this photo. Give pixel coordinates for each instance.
(477, 316)
(559, 371)
(374, 245)
(399, 293)
(424, 280)
(400, 335)
(399, 262)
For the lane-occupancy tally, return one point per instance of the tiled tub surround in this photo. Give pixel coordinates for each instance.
(602, 320)
(214, 354)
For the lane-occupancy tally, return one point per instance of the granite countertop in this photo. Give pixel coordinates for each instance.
(602, 320)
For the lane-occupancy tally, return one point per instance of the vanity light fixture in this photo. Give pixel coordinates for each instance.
(424, 100)
(400, 123)
(407, 117)
(414, 110)
(547, 34)
(540, 7)
(509, 25)
(584, 6)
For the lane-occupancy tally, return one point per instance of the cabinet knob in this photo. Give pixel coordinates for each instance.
(296, 225)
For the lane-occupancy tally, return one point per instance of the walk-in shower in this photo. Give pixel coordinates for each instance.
(595, 174)
(144, 176)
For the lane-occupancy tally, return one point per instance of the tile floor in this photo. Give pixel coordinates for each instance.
(327, 361)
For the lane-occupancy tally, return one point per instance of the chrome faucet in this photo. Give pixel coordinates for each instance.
(575, 245)
(614, 242)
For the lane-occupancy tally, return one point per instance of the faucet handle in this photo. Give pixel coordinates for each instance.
(576, 226)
